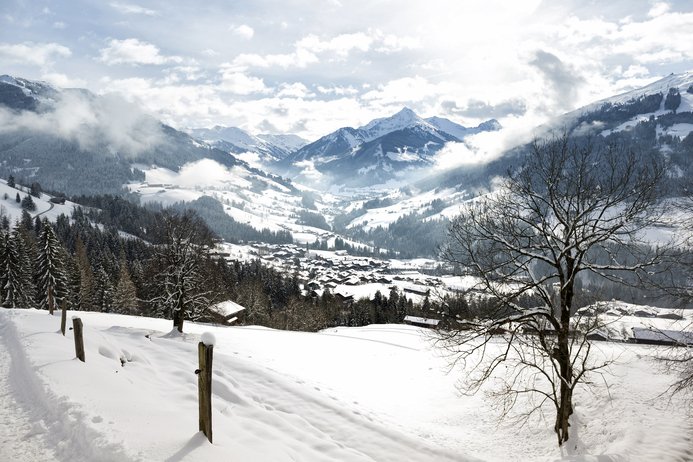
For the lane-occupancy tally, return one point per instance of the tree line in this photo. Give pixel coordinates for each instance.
(118, 257)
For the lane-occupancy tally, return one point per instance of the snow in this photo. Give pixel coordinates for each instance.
(44, 208)
(419, 320)
(227, 308)
(375, 393)
(208, 339)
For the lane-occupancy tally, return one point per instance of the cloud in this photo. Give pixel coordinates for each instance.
(129, 8)
(484, 110)
(659, 9)
(299, 58)
(294, 90)
(337, 90)
(37, 54)
(310, 48)
(63, 81)
(59, 25)
(484, 146)
(107, 121)
(244, 31)
(134, 52)
(404, 90)
(240, 83)
(562, 79)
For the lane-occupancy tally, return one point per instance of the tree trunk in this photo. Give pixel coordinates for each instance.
(564, 411)
(178, 318)
(565, 397)
(50, 300)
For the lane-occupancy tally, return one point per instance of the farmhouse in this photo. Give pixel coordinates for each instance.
(662, 337)
(421, 322)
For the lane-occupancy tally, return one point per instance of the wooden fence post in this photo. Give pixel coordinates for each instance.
(63, 317)
(79, 340)
(204, 384)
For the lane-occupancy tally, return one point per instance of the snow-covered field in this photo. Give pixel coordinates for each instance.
(376, 393)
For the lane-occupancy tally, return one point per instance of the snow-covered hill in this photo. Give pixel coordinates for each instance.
(269, 148)
(382, 150)
(376, 393)
(12, 209)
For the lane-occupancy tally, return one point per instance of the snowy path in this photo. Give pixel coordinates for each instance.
(21, 439)
(372, 394)
(47, 428)
(147, 410)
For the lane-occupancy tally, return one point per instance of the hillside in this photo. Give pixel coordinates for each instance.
(281, 396)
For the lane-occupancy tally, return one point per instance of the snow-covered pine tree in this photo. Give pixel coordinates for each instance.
(15, 272)
(103, 291)
(86, 276)
(125, 297)
(50, 269)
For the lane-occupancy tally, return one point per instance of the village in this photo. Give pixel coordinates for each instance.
(346, 276)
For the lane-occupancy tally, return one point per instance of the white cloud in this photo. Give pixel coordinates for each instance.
(63, 81)
(340, 45)
(241, 84)
(59, 25)
(129, 8)
(308, 49)
(38, 54)
(133, 51)
(404, 90)
(294, 90)
(337, 90)
(659, 9)
(107, 121)
(299, 58)
(244, 31)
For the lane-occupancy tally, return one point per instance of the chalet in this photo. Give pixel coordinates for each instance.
(416, 291)
(674, 316)
(422, 322)
(229, 311)
(662, 337)
(599, 335)
(57, 200)
(344, 299)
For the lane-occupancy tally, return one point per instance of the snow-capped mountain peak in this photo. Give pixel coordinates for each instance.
(405, 118)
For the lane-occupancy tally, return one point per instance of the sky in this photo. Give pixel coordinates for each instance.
(289, 66)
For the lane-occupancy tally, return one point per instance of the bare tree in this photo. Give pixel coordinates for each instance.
(186, 242)
(570, 211)
(679, 358)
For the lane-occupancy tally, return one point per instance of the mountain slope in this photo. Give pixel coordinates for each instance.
(270, 148)
(77, 142)
(381, 150)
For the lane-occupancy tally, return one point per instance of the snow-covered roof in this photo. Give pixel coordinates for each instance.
(227, 308)
(418, 320)
(661, 335)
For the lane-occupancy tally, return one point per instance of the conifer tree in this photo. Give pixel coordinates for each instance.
(16, 285)
(125, 297)
(86, 276)
(50, 270)
(103, 291)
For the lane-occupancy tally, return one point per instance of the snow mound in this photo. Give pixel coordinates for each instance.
(208, 339)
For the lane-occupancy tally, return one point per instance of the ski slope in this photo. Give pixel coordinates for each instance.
(376, 393)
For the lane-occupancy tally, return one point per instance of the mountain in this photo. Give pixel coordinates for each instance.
(76, 142)
(382, 150)
(270, 148)
(656, 117)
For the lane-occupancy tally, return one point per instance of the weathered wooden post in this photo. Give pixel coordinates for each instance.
(205, 350)
(79, 340)
(63, 317)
